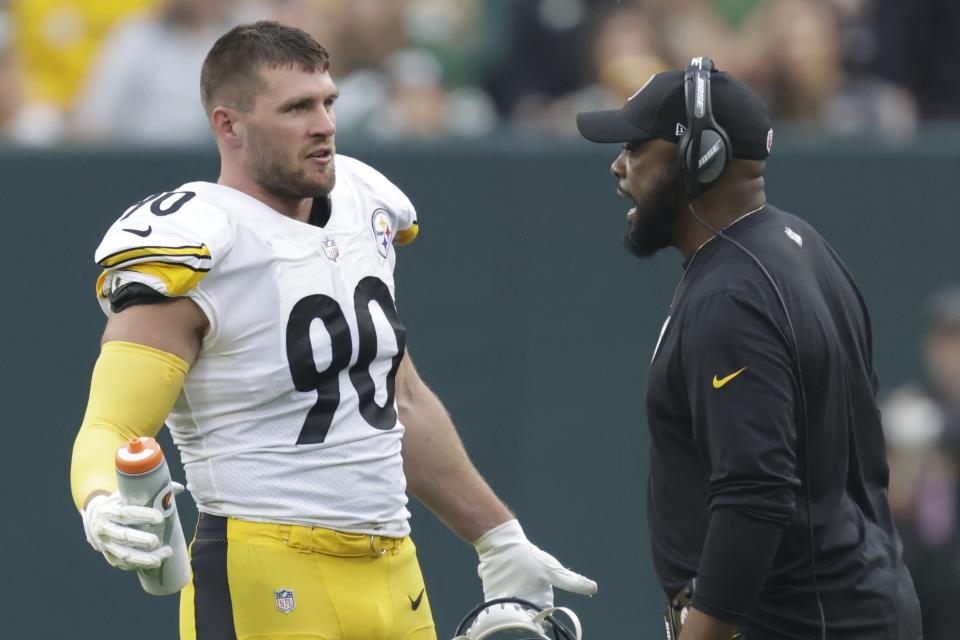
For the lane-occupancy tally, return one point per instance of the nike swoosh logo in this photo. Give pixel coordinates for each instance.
(143, 233)
(717, 383)
(416, 603)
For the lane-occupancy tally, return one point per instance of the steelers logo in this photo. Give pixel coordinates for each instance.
(382, 231)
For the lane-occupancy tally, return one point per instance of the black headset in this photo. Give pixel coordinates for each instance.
(704, 153)
(705, 149)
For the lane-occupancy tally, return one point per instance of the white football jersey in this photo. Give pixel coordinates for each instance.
(288, 413)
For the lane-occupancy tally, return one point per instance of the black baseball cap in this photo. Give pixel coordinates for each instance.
(658, 110)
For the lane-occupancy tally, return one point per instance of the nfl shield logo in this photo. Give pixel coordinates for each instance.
(330, 248)
(382, 231)
(285, 600)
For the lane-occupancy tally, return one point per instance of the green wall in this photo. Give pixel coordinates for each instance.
(522, 310)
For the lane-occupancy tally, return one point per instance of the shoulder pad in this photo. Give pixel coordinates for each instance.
(167, 241)
(382, 193)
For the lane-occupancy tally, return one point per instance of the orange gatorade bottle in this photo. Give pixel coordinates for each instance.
(144, 480)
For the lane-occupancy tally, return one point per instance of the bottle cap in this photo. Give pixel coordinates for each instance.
(139, 455)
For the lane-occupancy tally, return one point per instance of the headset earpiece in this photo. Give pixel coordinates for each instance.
(710, 143)
(704, 149)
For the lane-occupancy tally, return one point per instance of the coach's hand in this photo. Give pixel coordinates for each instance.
(112, 529)
(511, 566)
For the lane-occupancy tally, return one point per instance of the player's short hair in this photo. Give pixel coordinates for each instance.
(231, 69)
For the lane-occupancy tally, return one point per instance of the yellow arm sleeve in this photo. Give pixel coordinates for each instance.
(131, 393)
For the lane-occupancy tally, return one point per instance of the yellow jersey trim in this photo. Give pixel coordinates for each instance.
(100, 280)
(178, 278)
(200, 252)
(406, 236)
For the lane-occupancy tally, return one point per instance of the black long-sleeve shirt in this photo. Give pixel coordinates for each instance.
(727, 499)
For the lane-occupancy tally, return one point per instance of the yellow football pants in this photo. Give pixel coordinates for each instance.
(262, 581)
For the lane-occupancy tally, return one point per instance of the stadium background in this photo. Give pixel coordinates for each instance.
(523, 311)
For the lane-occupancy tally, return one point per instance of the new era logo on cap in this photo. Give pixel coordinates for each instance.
(680, 129)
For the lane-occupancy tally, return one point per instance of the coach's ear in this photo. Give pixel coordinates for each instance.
(227, 126)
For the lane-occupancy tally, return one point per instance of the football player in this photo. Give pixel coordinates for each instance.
(256, 317)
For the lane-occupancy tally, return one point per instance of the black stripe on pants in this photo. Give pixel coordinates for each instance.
(212, 607)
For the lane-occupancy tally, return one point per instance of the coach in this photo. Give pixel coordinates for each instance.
(768, 480)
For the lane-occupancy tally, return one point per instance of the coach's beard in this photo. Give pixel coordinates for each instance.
(650, 224)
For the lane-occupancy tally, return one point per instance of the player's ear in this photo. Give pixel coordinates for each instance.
(226, 125)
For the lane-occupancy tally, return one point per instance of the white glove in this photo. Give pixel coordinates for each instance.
(511, 566)
(112, 529)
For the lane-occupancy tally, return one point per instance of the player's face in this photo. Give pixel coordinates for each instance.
(290, 131)
(649, 176)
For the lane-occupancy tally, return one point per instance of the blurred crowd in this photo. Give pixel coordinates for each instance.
(922, 425)
(127, 70)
